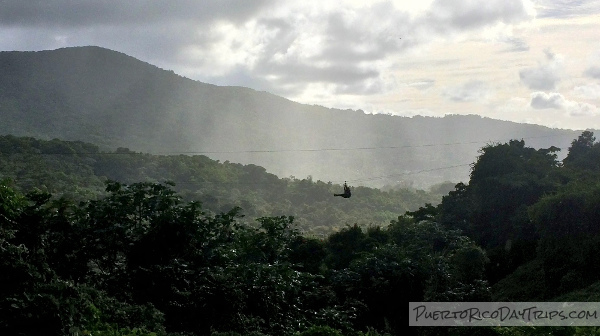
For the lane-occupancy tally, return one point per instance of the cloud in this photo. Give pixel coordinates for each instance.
(542, 100)
(554, 100)
(284, 46)
(76, 14)
(578, 109)
(544, 76)
(468, 92)
(566, 8)
(338, 48)
(468, 14)
(364, 88)
(422, 84)
(589, 91)
(515, 44)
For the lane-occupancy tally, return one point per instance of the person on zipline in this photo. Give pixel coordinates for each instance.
(346, 193)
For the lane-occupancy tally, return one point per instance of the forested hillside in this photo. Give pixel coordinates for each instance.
(113, 100)
(80, 170)
(142, 260)
(536, 217)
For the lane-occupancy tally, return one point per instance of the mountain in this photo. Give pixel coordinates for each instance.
(114, 100)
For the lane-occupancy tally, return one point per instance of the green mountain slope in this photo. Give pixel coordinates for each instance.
(110, 99)
(79, 170)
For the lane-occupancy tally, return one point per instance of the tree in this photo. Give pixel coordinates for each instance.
(584, 153)
(580, 147)
(492, 209)
(569, 236)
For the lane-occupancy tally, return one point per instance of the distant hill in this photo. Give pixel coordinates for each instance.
(111, 99)
(77, 171)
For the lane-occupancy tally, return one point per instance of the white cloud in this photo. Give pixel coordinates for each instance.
(578, 109)
(589, 91)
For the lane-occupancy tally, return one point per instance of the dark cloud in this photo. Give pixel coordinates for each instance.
(153, 31)
(554, 100)
(540, 78)
(68, 13)
(542, 100)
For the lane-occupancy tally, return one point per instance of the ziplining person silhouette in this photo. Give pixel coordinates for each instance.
(346, 193)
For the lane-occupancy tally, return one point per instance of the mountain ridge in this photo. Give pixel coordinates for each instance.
(113, 100)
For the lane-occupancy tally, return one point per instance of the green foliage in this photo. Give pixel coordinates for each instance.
(79, 171)
(536, 218)
(568, 246)
(538, 331)
(505, 179)
(320, 331)
(414, 262)
(142, 261)
(525, 284)
(567, 221)
(584, 153)
(493, 208)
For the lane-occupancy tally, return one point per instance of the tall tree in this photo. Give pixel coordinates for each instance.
(584, 153)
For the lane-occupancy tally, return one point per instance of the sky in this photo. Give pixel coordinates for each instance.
(529, 61)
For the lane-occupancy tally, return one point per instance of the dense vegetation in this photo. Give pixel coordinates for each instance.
(79, 170)
(110, 99)
(536, 217)
(144, 259)
(141, 260)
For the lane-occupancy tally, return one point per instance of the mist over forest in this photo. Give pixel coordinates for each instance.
(113, 100)
(134, 201)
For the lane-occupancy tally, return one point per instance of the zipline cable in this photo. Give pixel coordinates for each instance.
(290, 150)
(333, 182)
(408, 173)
